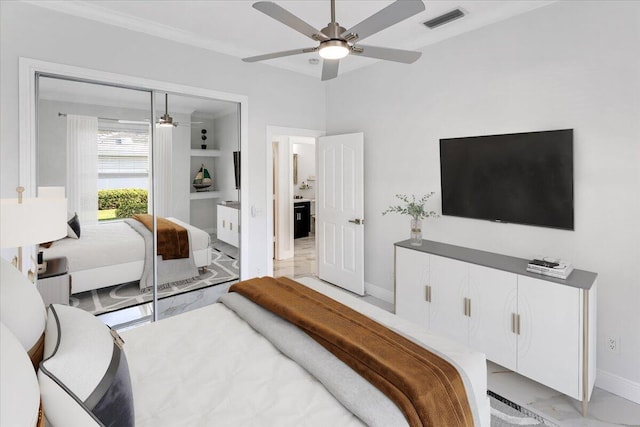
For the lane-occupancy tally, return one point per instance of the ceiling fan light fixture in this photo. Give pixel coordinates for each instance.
(334, 49)
(165, 121)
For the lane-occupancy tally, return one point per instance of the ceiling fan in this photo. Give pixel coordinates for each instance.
(166, 120)
(336, 42)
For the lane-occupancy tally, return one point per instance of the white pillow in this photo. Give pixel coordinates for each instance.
(19, 393)
(84, 377)
(21, 308)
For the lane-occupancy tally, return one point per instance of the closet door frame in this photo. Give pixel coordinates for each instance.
(30, 69)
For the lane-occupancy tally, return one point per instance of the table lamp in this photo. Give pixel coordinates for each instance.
(31, 221)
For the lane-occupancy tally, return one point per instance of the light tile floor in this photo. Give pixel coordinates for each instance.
(303, 262)
(605, 409)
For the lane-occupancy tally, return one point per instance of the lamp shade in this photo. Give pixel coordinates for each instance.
(34, 221)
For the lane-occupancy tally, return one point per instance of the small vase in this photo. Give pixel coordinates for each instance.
(416, 232)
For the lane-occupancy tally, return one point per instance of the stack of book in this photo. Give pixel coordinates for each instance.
(558, 269)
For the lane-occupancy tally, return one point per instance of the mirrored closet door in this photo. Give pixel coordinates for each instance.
(117, 160)
(196, 160)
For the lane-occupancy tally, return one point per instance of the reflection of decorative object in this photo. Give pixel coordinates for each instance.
(415, 209)
(295, 169)
(203, 137)
(202, 180)
(29, 221)
(305, 186)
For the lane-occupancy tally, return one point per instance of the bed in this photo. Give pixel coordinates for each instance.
(113, 253)
(214, 366)
(240, 393)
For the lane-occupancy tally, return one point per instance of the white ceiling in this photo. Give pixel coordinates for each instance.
(233, 27)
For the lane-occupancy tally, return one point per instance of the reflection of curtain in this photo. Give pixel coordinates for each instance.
(163, 148)
(82, 167)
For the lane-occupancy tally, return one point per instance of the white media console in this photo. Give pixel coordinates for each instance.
(541, 327)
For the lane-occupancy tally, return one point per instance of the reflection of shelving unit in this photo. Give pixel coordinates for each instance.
(195, 154)
(204, 153)
(203, 202)
(201, 195)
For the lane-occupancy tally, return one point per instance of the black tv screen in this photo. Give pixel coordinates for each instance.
(236, 168)
(524, 178)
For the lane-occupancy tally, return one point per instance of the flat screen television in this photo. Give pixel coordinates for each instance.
(236, 168)
(523, 178)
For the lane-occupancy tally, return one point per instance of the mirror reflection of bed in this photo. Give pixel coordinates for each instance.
(94, 141)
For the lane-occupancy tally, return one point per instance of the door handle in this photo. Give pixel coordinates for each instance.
(357, 221)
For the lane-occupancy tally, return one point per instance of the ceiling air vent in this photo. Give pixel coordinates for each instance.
(444, 19)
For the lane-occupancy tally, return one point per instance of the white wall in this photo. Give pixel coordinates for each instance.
(306, 166)
(276, 97)
(284, 197)
(227, 141)
(567, 65)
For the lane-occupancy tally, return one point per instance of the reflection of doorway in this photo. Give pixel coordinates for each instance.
(287, 255)
(296, 199)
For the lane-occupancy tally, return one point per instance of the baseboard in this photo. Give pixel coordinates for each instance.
(378, 292)
(618, 385)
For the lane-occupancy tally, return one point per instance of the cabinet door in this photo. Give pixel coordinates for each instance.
(233, 220)
(449, 281)
(412, 278)
(550, 333)
(493, 295)
(220, 224)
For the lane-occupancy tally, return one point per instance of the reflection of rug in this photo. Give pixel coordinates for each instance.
(505, 413)
(98, 301)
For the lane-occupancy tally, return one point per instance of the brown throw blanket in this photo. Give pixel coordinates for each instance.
(428, 389)
(173, 239)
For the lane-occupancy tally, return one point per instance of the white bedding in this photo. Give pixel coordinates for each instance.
(99, 246)
(208, 367)
(111, 253)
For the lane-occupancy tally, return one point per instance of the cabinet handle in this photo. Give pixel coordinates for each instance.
(427, 293)
(224, 223)
(469, 307)
(515, 323)
(231, 226)
(466, 306)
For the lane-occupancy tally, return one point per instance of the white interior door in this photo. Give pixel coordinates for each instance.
(340, 204)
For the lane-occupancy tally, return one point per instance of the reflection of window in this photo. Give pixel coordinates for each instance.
(123, 155)
(123, 168)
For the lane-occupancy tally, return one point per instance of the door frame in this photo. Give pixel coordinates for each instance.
(30, 68)
(271, 132)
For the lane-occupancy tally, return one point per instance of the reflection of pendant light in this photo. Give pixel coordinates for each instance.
(166, 120)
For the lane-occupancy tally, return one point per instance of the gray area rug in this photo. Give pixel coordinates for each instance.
(99, 301)
(505, 413)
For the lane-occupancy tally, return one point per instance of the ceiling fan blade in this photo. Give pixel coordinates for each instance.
(279, 54)
(287, 18)
(388, 54)
(330, 69)
(396, 12)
